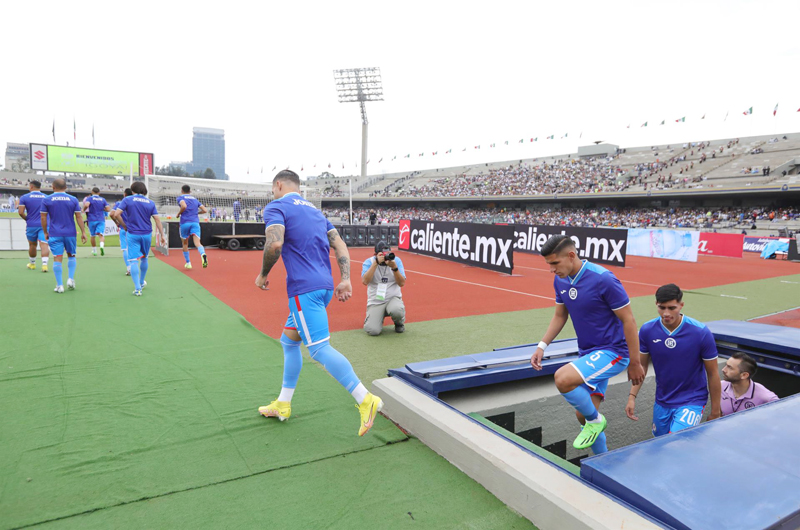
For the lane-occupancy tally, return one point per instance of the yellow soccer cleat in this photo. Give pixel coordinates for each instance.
(369, 408)
(31, 266)
(188, 266)
(277, 409)
(44, 268)
(205, 261)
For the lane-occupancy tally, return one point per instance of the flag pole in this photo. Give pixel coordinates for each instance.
(351, 200)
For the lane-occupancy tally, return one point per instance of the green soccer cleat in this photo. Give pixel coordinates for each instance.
(187, 266)
(102, 251)
(590, 432)
(277, 409)
(369, 409)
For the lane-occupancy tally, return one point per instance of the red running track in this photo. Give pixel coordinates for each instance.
(437, 289)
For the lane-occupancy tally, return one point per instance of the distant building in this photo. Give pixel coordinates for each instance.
(18, 157)
(208, 151)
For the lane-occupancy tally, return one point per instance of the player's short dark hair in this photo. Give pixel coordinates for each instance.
(557, 244)
(668, 292)
(287, 175)
(36, 184)
(59, 184)
(127, 192)
(746, 363)
(95, 190)
(139, 187)
(185, 188)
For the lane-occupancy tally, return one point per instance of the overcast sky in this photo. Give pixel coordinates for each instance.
(455, 75)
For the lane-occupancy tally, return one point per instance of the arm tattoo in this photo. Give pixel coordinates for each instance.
(344, 266)
(342, 260)
(333, 235)
(274, 235)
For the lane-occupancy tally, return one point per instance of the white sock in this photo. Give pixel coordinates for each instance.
(598, 419)
(286, 394)
(129, 268)
(94, 250)
(102, 244)
(45, 260)
(33, 260)
(360, 393)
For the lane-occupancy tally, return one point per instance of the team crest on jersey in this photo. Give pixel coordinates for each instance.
(573, 293)
(670, 343)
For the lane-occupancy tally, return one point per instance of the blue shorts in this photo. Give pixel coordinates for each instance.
(34, 234)
(308, 315)
(97, 228)
(138, 246)
(669, 420)
(598, 367)
(188, 229)
(123, 239)
(59, 244)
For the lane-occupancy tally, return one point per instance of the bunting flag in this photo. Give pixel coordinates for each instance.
(704, 117)
(74, 132)
(522, 140)
(552, 136)
(421, 154)
(477, 147)
(774, 112)
(407, 156)
(491, 145)
(566, 134)
(680, 120)
(379, 161)
(643, 125)
(662, 122)
(54, 130)
(726, 116)
(535, 139)
(301, 168)
(435, 153)
(329, 165)
(394, 157)
(248, 170)
(748, 111)
(463, 149)
(262, 170)
(628, 127)
(342, 165)
(506, 142)
(93, 133)
(581, 135)
(273, 167)
(448, 151)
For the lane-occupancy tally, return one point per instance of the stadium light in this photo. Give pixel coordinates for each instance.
(359, 85)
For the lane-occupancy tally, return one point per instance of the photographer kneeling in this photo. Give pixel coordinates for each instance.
(383, 274)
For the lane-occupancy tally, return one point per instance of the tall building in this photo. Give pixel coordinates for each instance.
(208, 151)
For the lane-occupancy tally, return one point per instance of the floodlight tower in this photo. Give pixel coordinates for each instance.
(361, 85)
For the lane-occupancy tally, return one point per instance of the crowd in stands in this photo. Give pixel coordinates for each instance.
(611, 217)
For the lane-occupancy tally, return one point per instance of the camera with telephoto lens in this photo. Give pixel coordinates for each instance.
(387, 256)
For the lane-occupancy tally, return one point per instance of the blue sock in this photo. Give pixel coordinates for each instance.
(125, 257)
(143, 265)
(186, 256)
(72, 264)
(292, 361)
(137, 284)
(58, 273)
(599, 445)
(336, 364)
(582, 401)
(201, 250)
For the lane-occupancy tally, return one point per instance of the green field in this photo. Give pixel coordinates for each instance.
(124, 412)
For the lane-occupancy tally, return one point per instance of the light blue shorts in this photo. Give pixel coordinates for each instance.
(34, 234)
(97, 228)
(188, 229)
(598, 367)
(308, 315)
(123, 239)
(669, 420)
(60, 244)
(138, 246)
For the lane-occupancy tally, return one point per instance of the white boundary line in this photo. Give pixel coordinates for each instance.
(482, 285)
(773, 314)
(623, 281)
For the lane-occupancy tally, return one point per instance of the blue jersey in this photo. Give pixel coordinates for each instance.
(237, 206)
(591, 298)
(678, 360)
(139, 209)
(189, 215)
(124, 215)
(306, 251)
(61, 208)
(33, 207)
(95, 211)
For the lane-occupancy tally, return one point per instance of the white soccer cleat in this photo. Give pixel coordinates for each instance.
(135, 293)
(59, 289)
(127, 273)
(71, 284)
(144, 284)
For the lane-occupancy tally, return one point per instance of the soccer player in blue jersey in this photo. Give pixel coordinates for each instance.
(237, 209)
(138, 210)
(30, 207)
(298, 231)
(59, 213)
(606, 330)
(684, 356)
(190, 225)
(123, 234)
(95, 207)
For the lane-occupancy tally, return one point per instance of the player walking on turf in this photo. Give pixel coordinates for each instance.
(603, 322)
(139, 210)
(59, 213)
(190, 225)
(298, 231)
(30, 207)
(123, 234)
(95, 207)
(684, 356)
